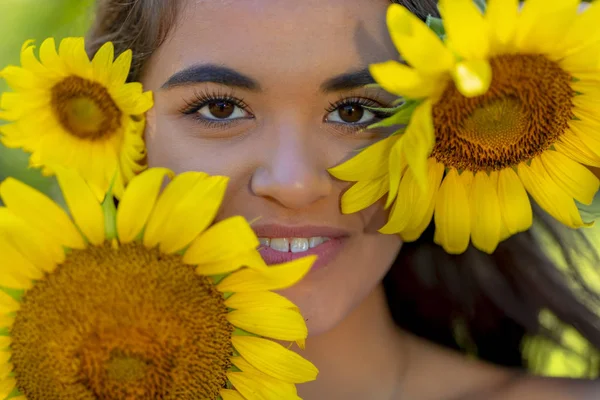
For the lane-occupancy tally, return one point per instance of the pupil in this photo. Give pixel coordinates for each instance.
(351, 113)
(221, 109)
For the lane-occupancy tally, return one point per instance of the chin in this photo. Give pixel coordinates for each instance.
(325, 307)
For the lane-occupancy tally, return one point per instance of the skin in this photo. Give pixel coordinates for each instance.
(277, 157)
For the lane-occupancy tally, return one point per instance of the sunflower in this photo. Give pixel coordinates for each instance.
(142, 302)
(504, 106)
(69, 111)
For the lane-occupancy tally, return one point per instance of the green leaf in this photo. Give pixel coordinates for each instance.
(109, 209)
(481, 4)
(592, 212)
(402, 115)
(436, 25)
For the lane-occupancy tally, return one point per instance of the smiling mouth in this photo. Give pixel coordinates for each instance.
(293, 245)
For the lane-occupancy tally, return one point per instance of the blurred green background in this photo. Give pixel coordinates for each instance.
(21, 20)
(35, 19)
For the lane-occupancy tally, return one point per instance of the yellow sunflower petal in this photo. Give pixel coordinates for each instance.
(515, 206)
(421, 218)
(223, 240)
(452, 215)
(44, 251)
(193, 213)
(501, 16)
(245, 366)
(7, 386)
(230, 394)
(573, 147)
(416, 42)
(22, 79)
(7, 303)
(543, 23)
(275, 277)
(83, 204)
(586, 133)
(6, 321)
(102, 62)
(548, 195)
(364, 194)
(276, 323)
(486, 220)
(252, 259)
(17, 263)
(72, 52)
(120, 69)
(49, 57)
(397, 166)
(40, 212)
(10, 277)
(254, 387)
(584, 31)
(466, 28)
(408, 193)
(583, 63)
(418, 142)
(130, 99)
(587, 107)
(402, 80)
(240, 301)
(30, 62)
(573, 178)
(174, 191)
(368, 164)
(138, 201)
(275, 360)
(5, 342)
(472, 77)
(5, 367)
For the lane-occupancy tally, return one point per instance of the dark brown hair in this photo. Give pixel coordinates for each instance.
(496, 299)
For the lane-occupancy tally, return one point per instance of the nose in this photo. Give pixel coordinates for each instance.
(293, 172)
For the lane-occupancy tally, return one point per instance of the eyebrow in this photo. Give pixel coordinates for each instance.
(201, 73)
(348, 81)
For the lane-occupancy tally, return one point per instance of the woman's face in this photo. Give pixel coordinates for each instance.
(271, 94)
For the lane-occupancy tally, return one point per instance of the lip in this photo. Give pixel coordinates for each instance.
(325, 252)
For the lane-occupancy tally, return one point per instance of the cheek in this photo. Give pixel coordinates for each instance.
(181, 149)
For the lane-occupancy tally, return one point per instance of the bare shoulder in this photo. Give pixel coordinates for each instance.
(536, 388)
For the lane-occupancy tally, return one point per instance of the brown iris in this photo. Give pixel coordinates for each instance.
(221, 109)
(130, 324)
(351, 113)
(526, 109)
(85, 108)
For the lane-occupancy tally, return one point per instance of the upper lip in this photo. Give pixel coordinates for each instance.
(307, 231)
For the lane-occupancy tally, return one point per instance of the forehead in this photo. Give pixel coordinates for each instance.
(276, 38)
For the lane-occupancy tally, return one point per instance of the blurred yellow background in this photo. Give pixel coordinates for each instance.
(21, 20)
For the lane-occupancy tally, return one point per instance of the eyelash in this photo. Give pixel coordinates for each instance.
(202, 99)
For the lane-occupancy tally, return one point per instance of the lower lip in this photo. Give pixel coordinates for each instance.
(325, 252)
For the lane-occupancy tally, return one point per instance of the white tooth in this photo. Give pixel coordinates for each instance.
(315, 241)
(326, 239)
(280, 244)
(299, 245)
(264, 241)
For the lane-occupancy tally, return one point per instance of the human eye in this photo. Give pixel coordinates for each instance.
(217, 109)
(355, 112)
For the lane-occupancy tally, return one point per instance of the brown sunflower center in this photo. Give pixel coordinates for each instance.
(85, 108)
(525, 111)
(121, 324)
